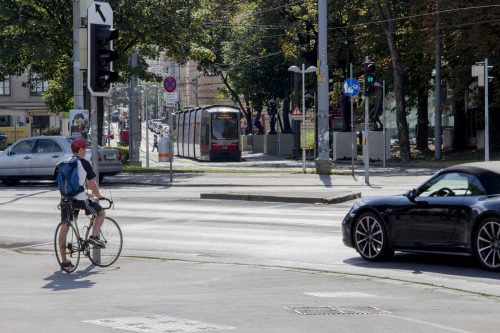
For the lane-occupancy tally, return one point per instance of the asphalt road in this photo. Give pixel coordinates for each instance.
(210, 265)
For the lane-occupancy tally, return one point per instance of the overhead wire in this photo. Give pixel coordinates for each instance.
(257, 58)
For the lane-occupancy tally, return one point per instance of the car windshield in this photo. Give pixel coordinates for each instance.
(452, 184)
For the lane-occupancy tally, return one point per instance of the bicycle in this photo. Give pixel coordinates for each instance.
(73, 244)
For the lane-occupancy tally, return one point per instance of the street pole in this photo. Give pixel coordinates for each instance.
(146, 116)
(93, 119)
(353, 138)
(77, 74)
(365, 137)
(383, 115)
(437, 90)
(134, 125)
(323, 163)
(486, 113)
(303, 118)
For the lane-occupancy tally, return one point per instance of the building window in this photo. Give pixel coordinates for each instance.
(37, 85)
(5, 86)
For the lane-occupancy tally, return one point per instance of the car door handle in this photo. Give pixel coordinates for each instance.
(27, 157)
(55, 156)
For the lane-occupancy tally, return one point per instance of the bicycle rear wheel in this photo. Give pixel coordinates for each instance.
(67, 246)
(111, 235)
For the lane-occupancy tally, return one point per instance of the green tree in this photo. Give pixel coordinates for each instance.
(38, 35)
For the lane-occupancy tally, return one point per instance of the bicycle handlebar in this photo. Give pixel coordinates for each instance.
(110, 202)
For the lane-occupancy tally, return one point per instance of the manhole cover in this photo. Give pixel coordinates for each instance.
(329, 310)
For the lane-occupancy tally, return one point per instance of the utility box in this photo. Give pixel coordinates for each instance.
(164, 149)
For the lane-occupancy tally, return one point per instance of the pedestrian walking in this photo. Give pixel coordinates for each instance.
(155, 143)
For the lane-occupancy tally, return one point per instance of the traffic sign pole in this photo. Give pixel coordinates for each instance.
(353, 137)
(366, 145)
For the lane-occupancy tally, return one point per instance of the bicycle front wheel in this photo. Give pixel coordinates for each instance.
(67, 246)
(111, 235)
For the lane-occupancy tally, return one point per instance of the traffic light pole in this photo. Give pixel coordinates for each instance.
(93, 119)
(366, 145)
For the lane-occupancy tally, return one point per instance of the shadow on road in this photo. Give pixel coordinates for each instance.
(60, 281)
(427, 263)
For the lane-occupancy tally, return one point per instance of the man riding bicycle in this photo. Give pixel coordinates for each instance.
(83, 200)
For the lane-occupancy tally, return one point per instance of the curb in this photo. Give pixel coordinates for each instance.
(276, 198)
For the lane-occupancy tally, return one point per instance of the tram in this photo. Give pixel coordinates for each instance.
(209, 133)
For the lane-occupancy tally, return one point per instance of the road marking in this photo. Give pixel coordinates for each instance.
(156, 324)
(428, 323)
(349, 294)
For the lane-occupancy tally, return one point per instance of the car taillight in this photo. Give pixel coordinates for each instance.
(233, 147)
(216, 147)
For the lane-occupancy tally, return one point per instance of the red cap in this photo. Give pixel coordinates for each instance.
(77, 144)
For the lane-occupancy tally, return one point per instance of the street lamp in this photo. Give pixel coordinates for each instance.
(303, 71)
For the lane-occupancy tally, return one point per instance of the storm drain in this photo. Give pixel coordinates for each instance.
(329, 310)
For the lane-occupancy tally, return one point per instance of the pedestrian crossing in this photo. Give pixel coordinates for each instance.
(236, 230)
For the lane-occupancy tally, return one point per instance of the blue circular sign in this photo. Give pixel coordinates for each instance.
(351, 87)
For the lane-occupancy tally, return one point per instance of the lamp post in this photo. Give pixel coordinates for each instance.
(303, 71)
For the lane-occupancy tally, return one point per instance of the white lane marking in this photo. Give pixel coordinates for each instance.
(349, 294)
(156, 324)
(428, 323)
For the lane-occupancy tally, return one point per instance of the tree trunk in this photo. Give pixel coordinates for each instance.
(423, 120)
(386, 14)
(459, 134)
(287, 129)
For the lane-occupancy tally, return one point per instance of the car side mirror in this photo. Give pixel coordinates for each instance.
(411, 194)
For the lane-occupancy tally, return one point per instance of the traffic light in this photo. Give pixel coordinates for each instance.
(101, 57)
(369, 78)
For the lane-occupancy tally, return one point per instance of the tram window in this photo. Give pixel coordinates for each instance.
(224, 126)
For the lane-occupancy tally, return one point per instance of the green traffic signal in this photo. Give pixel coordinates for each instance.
(369, 78)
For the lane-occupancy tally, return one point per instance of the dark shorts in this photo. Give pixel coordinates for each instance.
(90, 207)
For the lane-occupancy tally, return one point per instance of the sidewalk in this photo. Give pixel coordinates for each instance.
(283, 182)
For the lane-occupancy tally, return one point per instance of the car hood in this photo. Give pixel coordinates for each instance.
(392, 200)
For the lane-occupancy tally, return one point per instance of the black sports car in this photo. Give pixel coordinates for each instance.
(457, 211)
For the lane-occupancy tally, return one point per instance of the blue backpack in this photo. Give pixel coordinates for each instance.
(67, 178)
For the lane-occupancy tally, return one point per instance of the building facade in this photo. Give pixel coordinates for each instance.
(21, 104)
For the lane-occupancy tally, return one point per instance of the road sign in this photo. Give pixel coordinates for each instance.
(296, 113)
(100, 13)
(351, 87)
(170, 84)
(169, 104)
(172, 97)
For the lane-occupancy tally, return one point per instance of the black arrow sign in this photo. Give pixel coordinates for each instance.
(98, 9)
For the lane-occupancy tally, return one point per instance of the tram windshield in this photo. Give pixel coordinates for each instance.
(224, 126)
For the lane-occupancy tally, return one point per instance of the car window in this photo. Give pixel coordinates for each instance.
(46, 146)
(451, 184)
(23, 147)
(476, 188)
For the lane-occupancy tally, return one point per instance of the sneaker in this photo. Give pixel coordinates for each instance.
(96, 242)
(68, 265)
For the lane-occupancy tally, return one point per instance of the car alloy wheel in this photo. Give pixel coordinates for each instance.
(488, 244)
(370, 238)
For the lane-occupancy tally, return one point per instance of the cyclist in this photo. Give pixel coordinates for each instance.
(83, 200)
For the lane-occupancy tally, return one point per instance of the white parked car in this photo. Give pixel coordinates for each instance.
(38, 157)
